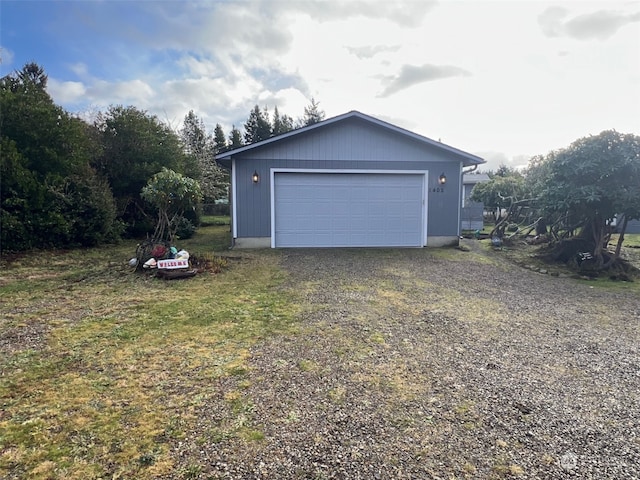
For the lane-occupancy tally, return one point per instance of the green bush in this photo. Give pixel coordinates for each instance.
(184, 228)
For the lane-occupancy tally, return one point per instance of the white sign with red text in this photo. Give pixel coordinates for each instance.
(173, 263)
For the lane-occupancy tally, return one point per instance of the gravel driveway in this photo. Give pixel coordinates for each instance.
(415, 364)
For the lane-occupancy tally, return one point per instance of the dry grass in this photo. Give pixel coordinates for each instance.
(102, 368)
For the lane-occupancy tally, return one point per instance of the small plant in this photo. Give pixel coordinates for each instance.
(307, 365)
(147, 459)
(193, 470)
(251, 435)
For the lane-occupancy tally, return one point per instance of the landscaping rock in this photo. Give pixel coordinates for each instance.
(569, 461)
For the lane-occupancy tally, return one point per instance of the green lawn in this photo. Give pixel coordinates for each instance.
(209, 220)
(102, 367)
(630, 240)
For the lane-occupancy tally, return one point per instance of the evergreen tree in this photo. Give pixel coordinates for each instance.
(257, 127)
(312, 113)
(235, 138)
(219, 139)
(33, 74)
(281, 124)
(200, 146)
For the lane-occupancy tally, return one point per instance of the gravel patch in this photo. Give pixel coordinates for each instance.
(409, 365)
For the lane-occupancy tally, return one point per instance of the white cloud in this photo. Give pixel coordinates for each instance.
(66, 92)
(551, 21)
(412, 75)
(402, 13)
(494, 160)
(123, 92)
(6, 57)
(200, 67)
(80, 69)
(599, 25)
(370, 51)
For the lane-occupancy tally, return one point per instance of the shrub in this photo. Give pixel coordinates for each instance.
(184, 228)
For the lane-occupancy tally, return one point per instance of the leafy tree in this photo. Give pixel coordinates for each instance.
(49, 194)
(312, 114)
(136, 146)
(257, 127)
(281, 124)
(90, 208)
(219, 139)
(200, 146)
(235, 139)
(172, 194)
(586, 184)
(504, 171)
(22, 200)
(499, 193)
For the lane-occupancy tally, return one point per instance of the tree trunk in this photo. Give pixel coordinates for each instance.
(541, 226)
(621, 237)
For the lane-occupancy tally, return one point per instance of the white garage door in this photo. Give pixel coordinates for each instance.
(348, 209)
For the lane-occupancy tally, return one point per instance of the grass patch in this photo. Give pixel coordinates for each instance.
(606, 283)
(214, 220)
(120, 362)
(630, 240)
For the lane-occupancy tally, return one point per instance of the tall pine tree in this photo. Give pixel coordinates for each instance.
(257, 127)
(219, 139)
(201, 147)
(281, 124)
(235, 138)
(312, 113)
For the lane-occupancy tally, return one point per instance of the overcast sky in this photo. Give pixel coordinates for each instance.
(505, 80)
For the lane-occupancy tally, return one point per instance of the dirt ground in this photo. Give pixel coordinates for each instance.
(423, 364)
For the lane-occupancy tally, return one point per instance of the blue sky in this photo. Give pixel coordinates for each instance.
(505, 80)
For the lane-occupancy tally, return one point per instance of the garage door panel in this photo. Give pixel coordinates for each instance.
(353, 209)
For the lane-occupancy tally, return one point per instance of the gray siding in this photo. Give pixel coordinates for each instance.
(352, 139)
(633, 226)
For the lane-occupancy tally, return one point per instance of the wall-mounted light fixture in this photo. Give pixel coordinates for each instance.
(255, 177)
(442, 179)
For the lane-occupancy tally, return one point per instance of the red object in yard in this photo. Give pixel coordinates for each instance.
(158, 251)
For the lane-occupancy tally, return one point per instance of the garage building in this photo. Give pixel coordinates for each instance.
(348, 181)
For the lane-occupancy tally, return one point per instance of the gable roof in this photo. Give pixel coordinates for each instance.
(224, 158)
(473, 178)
